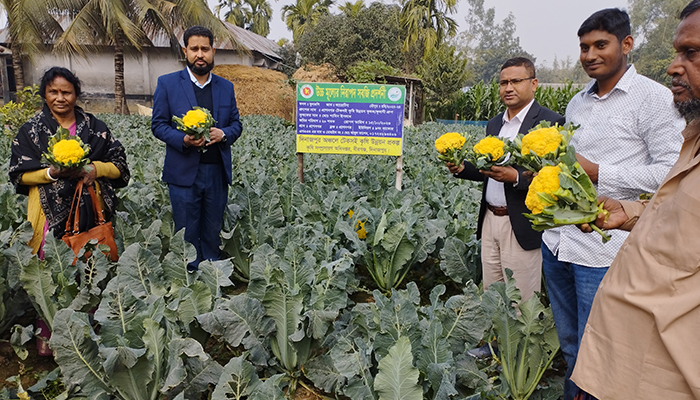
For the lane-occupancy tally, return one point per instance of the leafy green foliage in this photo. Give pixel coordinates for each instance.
(483, 102)
(480, 103)
(527, 339)
(427, 23)
(444, 74)
(487, 44)
(397, 377)
(14, 114)
(305, 260)
(654, 23)
(557, 99)
(370, 72)
(345, 40)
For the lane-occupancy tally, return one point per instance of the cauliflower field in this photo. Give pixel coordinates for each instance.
(302, 300)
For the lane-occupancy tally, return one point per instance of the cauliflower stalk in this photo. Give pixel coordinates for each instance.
(563, 195)
(543, 145)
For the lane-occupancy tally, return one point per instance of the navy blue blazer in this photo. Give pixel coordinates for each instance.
(174, 95)
(527, 238)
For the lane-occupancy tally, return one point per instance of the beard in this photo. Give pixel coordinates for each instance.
(201, 71)
(689, 109)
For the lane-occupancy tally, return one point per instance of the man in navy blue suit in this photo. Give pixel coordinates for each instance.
(197, 181)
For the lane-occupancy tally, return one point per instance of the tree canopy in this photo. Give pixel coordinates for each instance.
(488, 44)
(371, 34)
(654, 23)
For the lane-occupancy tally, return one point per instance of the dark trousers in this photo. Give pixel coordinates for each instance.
(200, 210)
(571, 289)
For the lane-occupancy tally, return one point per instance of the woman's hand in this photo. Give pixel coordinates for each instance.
(90, 175)
(65, 173)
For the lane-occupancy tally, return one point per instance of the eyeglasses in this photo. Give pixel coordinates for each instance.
(514, 82)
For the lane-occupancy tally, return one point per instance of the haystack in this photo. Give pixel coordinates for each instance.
(259, 91)
(316, 73)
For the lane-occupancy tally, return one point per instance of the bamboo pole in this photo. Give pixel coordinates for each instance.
(300, 167)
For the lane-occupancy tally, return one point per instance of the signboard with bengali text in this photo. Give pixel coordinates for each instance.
(350, 118)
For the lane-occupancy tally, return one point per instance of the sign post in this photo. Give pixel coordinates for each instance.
(349, 118)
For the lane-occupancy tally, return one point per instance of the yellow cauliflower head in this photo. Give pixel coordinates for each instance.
(450, 140)
(541, 141)
(194, 118)
(68, 150)
(490, 145)
(546, 181)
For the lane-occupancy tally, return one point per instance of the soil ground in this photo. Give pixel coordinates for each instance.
(32, 369)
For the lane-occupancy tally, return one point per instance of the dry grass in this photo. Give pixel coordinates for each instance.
(259, 91)
(316, 73)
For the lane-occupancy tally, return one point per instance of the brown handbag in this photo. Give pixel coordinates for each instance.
(103, 232)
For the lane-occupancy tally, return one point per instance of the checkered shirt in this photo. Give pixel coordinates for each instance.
(634, 134)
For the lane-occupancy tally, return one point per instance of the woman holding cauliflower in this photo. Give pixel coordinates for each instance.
(56, 148)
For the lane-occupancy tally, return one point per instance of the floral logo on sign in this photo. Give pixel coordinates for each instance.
(307, 91)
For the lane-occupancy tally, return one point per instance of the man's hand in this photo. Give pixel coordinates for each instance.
(616, 218)
(502, 174)
(591, 168)
(455, 169)
(216, 135)
(190, 142)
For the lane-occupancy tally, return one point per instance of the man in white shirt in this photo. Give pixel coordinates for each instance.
(629, 138)
(507, 238)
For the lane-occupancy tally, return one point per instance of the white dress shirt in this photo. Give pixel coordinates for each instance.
(634, 134)
(195, 81)
(495, 194)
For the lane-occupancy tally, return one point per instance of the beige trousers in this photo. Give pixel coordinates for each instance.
(500, 250)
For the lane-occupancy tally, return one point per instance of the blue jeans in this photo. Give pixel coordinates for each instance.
(200, 210)
(571, 289)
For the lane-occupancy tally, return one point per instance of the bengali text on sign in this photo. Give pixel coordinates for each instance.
(350, 118)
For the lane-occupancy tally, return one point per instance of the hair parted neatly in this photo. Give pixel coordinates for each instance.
(520, 62)
(55, 72)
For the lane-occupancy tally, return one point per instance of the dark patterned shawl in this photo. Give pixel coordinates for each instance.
(32, 141)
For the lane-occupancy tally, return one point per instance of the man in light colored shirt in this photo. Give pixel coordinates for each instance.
(507, 238)
(628, 139)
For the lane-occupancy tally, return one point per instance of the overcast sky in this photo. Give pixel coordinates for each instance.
(547, 28)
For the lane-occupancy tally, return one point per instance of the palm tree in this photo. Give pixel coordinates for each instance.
(30, 26)
(427, 22)
(253, 15)
(121, 23)
(259, 17)
(352, 10)
(235, 14)
(304, 14)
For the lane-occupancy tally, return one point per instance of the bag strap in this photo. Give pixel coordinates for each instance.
(74, 214)
(96, 205)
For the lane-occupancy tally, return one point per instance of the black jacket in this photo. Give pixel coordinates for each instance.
(515, 195)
